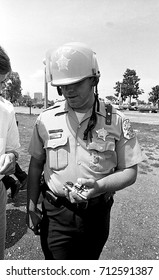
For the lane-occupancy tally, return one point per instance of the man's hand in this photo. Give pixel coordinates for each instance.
(7, 164)
(91, 190)
(33, 220)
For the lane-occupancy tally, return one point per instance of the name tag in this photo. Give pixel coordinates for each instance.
(55, 133)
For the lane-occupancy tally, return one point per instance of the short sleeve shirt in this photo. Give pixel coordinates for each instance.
(9, 135)
(58, 138)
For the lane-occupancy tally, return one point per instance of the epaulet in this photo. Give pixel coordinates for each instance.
(108, 109)
(51, 107)
(60, 113)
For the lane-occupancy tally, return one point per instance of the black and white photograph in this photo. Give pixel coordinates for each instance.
(79, 139)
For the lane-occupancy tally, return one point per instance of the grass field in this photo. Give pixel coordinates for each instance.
(134, 220)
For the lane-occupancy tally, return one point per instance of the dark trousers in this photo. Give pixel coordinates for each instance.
(77, 233)
(19, 173)
(9, 181)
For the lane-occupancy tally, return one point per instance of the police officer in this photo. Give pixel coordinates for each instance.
(90, 146)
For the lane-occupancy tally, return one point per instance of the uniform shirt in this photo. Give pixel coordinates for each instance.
(9, 135)
(58, 138)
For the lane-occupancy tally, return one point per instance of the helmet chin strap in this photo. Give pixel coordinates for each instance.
(93, 119)
(96, 97)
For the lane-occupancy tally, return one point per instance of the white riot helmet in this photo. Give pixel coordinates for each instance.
(71, 63)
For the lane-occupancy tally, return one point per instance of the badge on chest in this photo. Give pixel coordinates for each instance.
(102, 133)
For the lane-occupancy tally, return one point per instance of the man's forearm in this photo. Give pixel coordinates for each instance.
(118, 180)
(33, 192)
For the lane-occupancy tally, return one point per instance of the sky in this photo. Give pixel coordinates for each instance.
(123, 33)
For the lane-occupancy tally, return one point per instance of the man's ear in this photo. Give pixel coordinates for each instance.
(59, 91)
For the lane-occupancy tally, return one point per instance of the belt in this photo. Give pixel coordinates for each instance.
(59, 201)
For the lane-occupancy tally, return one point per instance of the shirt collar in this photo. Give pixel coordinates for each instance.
(65, 108)
(101, 108)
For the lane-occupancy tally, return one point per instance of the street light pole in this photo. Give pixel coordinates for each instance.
(45, 90)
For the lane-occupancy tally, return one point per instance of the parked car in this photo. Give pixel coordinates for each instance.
(117, 106)
(133, 108)
(147, 109)
(38, 105)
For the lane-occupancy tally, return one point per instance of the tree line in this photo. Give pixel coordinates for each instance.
(127, 88)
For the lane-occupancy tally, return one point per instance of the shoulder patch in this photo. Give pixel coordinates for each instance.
(128, 129)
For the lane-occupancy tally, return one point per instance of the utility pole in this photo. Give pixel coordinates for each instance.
(45, 90)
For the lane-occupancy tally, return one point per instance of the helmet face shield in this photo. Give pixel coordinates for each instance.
(70, 64)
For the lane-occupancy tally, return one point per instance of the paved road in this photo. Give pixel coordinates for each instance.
(135, 116)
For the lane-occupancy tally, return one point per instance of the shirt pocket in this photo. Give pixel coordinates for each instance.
(102, 155)
(57, 153)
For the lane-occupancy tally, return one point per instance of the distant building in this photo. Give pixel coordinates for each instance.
(38, 96)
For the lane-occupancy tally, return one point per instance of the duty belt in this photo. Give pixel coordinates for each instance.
(59, 201)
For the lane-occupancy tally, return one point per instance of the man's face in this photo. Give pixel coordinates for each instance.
(2, 81)
(80, 96)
